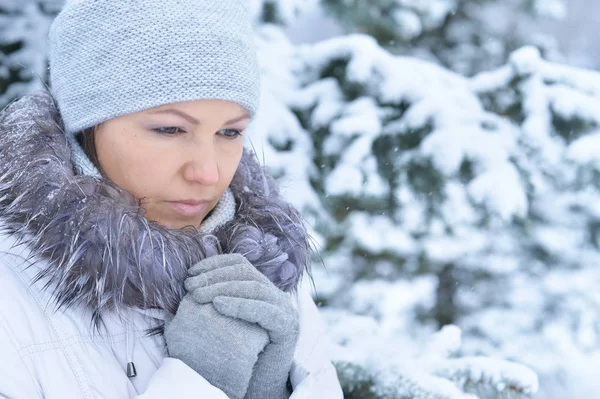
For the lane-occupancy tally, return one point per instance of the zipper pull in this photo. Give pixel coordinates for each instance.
(131, 370)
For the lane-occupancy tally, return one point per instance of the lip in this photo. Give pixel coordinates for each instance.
(189, 207)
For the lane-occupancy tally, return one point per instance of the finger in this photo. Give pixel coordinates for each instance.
(272, 318)
(238, 289)
(238, 272)
(215, 262)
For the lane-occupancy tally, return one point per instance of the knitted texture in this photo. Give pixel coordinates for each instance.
(110, 58)
(222, 213)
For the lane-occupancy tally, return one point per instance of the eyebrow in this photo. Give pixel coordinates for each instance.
(195, 121)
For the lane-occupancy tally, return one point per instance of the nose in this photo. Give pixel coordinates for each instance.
(202, 166)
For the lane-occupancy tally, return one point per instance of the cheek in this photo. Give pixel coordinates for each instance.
(231, 155)
(130, 161)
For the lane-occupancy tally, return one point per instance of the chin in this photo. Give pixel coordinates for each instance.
(179, 224)
(175, 221)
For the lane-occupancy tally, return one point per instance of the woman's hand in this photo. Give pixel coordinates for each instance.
(220, 348)
(241, 292)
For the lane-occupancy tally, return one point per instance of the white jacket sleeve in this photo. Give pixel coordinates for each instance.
(177, 380)
(16, 381)
(313, 375)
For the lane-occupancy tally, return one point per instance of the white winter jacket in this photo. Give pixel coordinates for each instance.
(51, 355)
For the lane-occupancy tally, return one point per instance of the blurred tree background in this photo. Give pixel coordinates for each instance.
(467, 36)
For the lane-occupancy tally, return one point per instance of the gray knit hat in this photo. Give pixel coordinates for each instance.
(114, 57)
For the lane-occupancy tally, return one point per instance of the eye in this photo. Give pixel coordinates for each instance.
(168, 131)
(230, 133)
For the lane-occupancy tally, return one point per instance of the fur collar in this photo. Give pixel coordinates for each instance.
(98, 248)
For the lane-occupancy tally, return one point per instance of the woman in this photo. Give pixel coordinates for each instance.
(145, 253)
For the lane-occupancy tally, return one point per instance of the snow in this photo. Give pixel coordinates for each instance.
(526, 60)
(359, 117)
(425, 368)
(24, 23)
(552, 8)
(435, 12)
(570, 104)
(408, 24)
(490, 81)
(502, 191)
(586, 149)
(451, 249)
(377, 234)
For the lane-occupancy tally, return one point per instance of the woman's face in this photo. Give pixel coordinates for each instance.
(178, 159)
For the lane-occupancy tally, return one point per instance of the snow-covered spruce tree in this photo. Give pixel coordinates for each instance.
(466, 36)
(553, 305)
(23, 55)
(343, 125)
(438, 199)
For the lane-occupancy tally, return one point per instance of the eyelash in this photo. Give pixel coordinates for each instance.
(160, 130)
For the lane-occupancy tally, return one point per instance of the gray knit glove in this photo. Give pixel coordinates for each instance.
(220, 348)
(242, 292)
